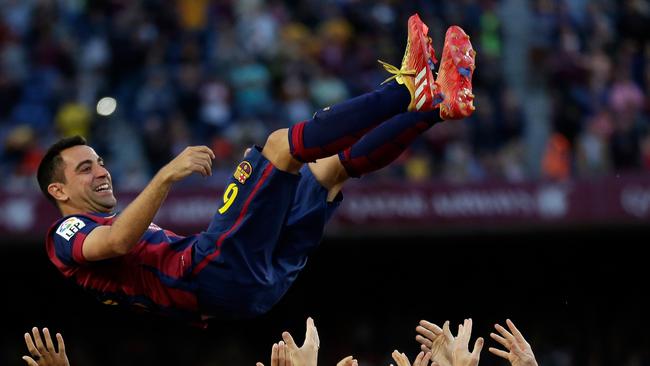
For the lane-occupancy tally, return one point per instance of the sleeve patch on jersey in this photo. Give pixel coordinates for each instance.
(69, 227)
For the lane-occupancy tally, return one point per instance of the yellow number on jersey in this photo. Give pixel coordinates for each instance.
(229, 197)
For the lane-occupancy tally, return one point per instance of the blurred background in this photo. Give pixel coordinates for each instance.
(533, 208)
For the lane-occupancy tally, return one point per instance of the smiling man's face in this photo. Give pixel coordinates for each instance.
(88, 186)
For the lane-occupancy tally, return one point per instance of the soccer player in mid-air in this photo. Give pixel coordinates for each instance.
(274, 207)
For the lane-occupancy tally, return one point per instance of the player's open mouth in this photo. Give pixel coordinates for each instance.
(103, 188)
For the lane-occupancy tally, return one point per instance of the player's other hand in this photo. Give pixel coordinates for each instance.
(519, 351)
(194, 159)
(44, 353)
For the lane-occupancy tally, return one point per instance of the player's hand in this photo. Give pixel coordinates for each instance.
(348, 361)
(194, 159)
(279, 355)
(519, 351)
(44, 354)
(307, 355)
(438, 341)
(461, 354)
(422, 359)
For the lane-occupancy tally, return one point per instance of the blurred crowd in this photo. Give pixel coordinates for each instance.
(561, 85)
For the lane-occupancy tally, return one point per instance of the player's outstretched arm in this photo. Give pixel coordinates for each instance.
(307, 354)
(461, 354)
(422, 359)
(519, 352)
(111, 241)
(44, 353)
(279, 355)
(438, 341)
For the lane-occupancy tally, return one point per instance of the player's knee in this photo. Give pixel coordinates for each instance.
(276, 150)
(278, 142)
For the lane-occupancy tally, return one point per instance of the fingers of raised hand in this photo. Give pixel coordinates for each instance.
(60, 344)
(425, 360)
(515, 331)
(199, 149)
(48, 340)
(208, 151)
(465, 332)
(507, 335)
(39, 342)
(30, 345)
(431, 327)
(202, 168)
(468, 327)
(282, 354)
(426, 332)
(498, 352)
(312, 333)
(400, 358)
(422, 359)
(447, 332)
(30, 361)
(504, 342)
(348, 361)
(288, 339)
(275, 356)
(478, 347)
(424, 341)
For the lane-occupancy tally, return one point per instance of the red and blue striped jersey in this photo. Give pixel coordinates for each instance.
(154, 276)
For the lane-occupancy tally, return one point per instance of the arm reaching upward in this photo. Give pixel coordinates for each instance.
(112, 241)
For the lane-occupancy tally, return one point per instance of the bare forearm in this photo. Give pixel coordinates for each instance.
(108, 241)
(131, 224)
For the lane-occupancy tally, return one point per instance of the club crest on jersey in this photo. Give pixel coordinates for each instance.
(69, 227)
(243, 172)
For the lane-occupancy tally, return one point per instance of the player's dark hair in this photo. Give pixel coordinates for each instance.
(50, 170)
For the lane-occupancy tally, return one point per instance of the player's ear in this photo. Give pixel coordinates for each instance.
(56, 190)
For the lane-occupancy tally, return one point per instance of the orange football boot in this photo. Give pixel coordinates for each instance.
(455, 75)
(416, 72)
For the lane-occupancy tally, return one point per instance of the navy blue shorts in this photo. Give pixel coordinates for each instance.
(259, 239)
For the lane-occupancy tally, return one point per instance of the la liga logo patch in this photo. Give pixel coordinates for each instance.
(243, 172)
(69, 227)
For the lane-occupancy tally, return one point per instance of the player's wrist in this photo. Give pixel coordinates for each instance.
(164, 177)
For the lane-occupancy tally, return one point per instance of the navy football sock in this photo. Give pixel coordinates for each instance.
(336, 128)
(386, 142)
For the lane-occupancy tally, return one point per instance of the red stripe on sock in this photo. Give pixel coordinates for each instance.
(382, 155)
(297, 143)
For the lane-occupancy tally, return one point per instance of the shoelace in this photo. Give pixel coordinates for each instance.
(397, 74)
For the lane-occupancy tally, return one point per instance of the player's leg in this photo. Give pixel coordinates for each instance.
(319, 191)
(337, 127)
(386, 142)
